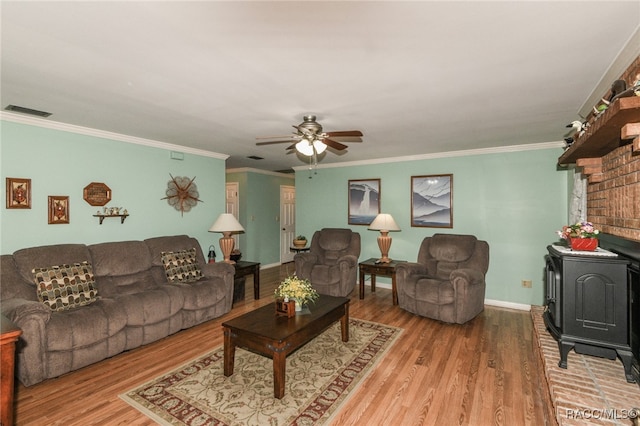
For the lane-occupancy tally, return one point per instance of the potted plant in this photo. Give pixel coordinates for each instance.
(300, 241)
(582, 236)
(298, 290)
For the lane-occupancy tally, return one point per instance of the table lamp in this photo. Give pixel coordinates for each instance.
(384, 223)
(227, 224)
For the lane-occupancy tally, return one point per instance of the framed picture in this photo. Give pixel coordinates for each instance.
(432, 201)
(58, 209)
(18, 193)
(364, 201)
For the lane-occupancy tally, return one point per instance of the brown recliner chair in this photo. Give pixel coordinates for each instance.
(447, 282)
(332, 261)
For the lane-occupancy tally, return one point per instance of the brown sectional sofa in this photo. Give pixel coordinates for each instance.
(136, 303)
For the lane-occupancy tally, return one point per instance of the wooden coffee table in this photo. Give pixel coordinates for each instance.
(263, 332)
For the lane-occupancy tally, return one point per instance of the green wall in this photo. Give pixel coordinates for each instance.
(513, 200)
(259, 213)
(63, 163)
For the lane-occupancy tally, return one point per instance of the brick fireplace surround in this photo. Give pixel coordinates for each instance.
(613, 204)
(592, 390)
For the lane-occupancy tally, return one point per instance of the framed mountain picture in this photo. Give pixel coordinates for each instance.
(432, 201)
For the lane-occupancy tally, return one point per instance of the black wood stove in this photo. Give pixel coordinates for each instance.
(589, 305)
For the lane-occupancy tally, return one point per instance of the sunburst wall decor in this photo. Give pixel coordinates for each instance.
(182, 193)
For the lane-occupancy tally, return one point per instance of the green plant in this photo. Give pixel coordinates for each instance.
(301, 237)
(298, 289)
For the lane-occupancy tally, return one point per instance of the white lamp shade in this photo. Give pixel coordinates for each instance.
(304, 147)
(226, 222)
(384, 222)
(319, 146)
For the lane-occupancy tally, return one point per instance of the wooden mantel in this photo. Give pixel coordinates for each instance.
(607, 132)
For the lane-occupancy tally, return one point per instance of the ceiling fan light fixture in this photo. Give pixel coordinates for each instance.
(319, 146)
(304, 147)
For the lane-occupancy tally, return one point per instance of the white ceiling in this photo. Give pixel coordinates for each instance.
(415, 77)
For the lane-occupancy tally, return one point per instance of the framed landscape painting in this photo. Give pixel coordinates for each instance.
(432, 201)
(364, 201)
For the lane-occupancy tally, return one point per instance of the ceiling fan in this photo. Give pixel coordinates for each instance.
(309, 139)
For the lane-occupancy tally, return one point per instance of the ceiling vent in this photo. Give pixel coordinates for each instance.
(23, 110)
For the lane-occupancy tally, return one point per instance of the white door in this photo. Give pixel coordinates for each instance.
(287, 222)
(232, 206)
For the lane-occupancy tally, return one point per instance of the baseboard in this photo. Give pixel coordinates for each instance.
(510, 305)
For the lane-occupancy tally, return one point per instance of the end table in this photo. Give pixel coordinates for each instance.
(372, 268)
(243, 269)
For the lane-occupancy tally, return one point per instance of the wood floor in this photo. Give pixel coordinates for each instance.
(482, 373)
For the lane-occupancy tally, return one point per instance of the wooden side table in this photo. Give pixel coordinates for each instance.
(9, 333)
(243, 269)
(372, 268)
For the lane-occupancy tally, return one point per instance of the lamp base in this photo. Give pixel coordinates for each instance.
(226, 246)
(384, 243)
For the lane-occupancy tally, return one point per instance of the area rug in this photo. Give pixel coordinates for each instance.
(320, 376)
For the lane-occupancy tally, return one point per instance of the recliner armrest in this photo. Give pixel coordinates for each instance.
(218, 269)
(470, 276)
(18, 310)
(410, 268)
(349, 260)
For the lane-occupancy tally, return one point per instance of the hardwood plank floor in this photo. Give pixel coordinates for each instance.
(480, 373)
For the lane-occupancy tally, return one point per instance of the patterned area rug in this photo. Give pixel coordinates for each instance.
(320, 376)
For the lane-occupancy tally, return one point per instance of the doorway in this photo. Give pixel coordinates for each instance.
(232, 205)
(287, 222)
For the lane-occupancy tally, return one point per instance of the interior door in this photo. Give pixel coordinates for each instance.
(232, 206)
(287, 222)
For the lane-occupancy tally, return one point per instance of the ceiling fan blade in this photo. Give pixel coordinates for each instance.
(344, 133)
(273, 142)
(292, 146)
(333, 144)
(276, 137)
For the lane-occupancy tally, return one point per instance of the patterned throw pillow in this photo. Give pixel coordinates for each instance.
(181, 266)
(64, 287)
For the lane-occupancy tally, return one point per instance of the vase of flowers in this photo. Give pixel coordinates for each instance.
(582, 236)
(297, 289)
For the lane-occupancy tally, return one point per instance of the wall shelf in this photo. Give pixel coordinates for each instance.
(603, 135)
(102, 216)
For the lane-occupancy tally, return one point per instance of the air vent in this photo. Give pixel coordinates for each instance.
(23, 110)
(255, 157)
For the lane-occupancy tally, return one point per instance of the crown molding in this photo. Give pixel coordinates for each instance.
(262, 172)
(464, 153)
(55, 125)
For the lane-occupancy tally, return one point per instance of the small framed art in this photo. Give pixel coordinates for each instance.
(58, 209)
(432, 201)
(18, 193)
(364, 201)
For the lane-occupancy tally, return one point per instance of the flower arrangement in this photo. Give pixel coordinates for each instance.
(579, 230)
(297, 289)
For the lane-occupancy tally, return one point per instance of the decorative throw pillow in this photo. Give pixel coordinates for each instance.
(64, 287)
(181, 266)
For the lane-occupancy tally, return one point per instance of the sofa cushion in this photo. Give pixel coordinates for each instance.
(120, 258)
(181, 266)
(63, 287)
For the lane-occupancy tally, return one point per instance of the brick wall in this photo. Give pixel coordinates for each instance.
(613, 205)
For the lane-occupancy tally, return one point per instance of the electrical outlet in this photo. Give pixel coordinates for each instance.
(526, 283)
